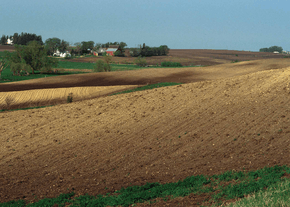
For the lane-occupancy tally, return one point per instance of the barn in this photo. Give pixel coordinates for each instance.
(112, 49)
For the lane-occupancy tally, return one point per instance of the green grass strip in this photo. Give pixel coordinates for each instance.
(35, 107)
(148, 87)
(7, 75)
(242, 184)
(277, 194)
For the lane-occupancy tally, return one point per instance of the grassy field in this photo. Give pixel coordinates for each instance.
(7, 75)
(218, 188)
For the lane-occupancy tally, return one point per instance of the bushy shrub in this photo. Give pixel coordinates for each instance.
(67, 56)
(171, 64)
(140, 61)
(20, 68)
(69, 98)
(101, 66)
(119, 53)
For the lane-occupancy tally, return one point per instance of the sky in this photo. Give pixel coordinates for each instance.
(180, 24)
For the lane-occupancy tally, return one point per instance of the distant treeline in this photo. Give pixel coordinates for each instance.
(54, 44)
(272, 49)
(147, 51)
(22, 39)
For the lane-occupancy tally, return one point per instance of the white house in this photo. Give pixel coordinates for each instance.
(276, 52)
(59, 54)
(9, 41)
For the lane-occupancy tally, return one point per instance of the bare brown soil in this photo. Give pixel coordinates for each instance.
(227, 117)
(194, 57)
(6, 48)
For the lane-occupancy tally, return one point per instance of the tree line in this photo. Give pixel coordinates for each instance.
(22, 39)
(31, 54)
(27, 59)
(147, 51)
(272, 49)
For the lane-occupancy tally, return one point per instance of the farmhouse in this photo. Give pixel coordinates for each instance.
(9, 41)
(100, 51)
(59, 54)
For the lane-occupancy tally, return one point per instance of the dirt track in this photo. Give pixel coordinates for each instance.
(238, 119)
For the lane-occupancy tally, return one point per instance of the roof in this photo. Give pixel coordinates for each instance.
(114, 46)
(101, 50)
(112, 49)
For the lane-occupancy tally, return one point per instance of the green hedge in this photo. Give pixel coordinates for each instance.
(171, 64)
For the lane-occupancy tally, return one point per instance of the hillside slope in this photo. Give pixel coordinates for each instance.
(148, 76)
(161, 135)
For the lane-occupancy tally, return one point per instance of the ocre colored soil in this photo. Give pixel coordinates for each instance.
(237, 118)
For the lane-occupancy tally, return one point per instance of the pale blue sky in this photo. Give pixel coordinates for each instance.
(180, 24)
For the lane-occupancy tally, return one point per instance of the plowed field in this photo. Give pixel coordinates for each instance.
(38, 97)
(228, 117)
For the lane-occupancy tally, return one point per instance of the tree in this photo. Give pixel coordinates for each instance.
(91, 45)
(164, 50)
(52, 44)
(86, 46)
(33, 57)
(4, 62)
(25, 38)
(119, 53)
(15, 38)
(78, 47)
(122, 45)
(63, 46)
(264, 49)
(3, 40)
(135, 52)
(98, 46)
(275, 48)
(272, 49)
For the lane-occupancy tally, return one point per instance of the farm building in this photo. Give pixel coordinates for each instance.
(9, 41)
(112, 49)
(59, 54)
(100, 51)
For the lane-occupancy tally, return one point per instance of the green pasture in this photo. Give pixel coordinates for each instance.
(220, 188)
(7, 75)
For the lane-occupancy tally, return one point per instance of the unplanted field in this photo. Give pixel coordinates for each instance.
(39, 97)
(238, 119)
